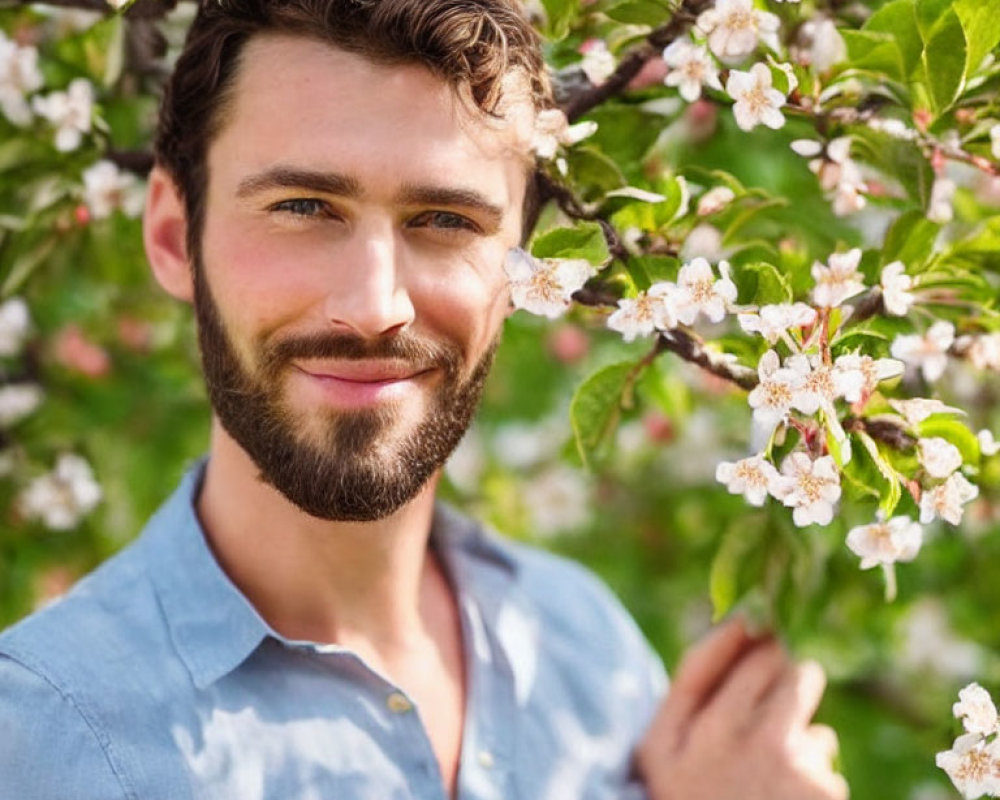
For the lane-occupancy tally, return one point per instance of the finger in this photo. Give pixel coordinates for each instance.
(793, 700)
(702, 667)
(705, 666)
(822, 743)
(735, 702)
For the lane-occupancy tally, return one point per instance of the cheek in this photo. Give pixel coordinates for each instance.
(467, 305)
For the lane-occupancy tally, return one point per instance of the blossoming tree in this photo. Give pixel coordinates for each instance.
(757, 357)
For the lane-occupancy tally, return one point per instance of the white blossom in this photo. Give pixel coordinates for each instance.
(598, 62)
(988, 446)
(552, 129)
(714, 200)
(973, 766)
(699, 292)
(753, 477)
(939, 208)
(771, 399)
(916, 409)
(995, 141)
(773, 321)
(896, 284)
(704, 241)
(19, 77)
(928, 352)
(895, 128)
(858, 376)
(106, 188)
(930, 643)
(810, 487)
(691, 68)
(15, 323)
(825, 44)
(18, 400)
(757, 101)
(544, 286)
(976, 710)
(838, 281)
(817, 389)
(938, 456)
(983, 351)
(734, 27)
(886, 541)
(646, 312)
(946, 500)
(69, 111)
(61, 498)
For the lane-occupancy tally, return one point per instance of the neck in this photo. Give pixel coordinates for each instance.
(365, 585)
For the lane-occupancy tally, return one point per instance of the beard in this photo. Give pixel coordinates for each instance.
(357, 468)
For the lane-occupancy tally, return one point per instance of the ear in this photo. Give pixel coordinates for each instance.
(164, 233)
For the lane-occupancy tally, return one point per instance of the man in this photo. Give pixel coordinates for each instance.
(337, 185)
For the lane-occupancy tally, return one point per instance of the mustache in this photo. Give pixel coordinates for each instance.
(399, 347)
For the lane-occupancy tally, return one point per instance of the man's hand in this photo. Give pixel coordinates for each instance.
(737, 723)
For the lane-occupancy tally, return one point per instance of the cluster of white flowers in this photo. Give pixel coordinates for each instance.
(734, 28)
(71, 112)
(809, 486)
(973, 763)
(107, 189)
(61, 498)
(838, 174)
(982, 351)
(19, 77)
(665, 305)
(544, 286)
(598, 62)
(928, 351)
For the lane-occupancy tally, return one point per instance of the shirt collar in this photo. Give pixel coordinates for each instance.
(213, 625)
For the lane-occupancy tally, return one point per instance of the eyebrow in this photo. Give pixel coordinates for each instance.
(417, 194)
(290, 178)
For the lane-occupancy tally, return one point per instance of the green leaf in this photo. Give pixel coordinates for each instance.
(945, 54)
(584, 240)
(639, 12)
(981, 23)
(738, 554)
(771, 286)
(25, 264)
(894, 491)
(910, 239)
(929, 12)
(593, 171)
(874, 51)
(115, 63)
(647, 270)
(596, 408)
(869, 343)
(559, 14)
(747, 214)
(899, 20)
(953, 431)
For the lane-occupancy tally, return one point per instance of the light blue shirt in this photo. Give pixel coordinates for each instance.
(156, 678)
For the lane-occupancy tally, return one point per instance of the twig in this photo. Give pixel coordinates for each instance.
(630, 66)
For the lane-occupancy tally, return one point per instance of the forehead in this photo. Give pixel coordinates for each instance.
(303, 101)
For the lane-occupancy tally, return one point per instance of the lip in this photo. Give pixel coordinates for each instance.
(361, 383)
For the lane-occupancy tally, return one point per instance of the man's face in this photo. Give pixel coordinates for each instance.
(349, 284)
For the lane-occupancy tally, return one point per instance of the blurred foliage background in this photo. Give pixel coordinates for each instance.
(113, 365)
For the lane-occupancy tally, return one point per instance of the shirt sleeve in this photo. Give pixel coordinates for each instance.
(48, 750)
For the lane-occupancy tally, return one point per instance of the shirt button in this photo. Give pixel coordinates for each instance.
(398, 703)
(486, 759)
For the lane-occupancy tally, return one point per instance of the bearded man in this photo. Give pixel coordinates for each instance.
(337, 185)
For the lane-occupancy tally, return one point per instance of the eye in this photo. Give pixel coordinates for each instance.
(303, 207)
(444, 220)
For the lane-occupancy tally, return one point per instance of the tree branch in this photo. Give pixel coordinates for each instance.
(630, 66)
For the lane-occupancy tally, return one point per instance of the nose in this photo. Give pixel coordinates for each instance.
(369, 296)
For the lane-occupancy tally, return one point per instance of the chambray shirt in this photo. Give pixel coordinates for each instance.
(156, 678)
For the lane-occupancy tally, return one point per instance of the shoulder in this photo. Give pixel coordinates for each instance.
(95, 620)
(51, 742)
